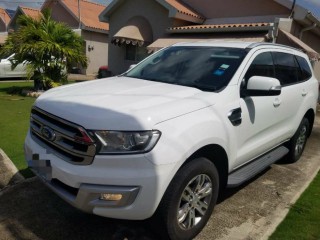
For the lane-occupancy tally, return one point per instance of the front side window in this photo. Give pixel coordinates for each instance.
(206, 68)
(286, 68)
(262, 66)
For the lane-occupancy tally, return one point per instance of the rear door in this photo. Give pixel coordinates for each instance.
(293, 72)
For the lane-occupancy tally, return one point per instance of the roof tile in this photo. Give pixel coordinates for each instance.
(211, 26)
(89, 12)
(183, 9)
(4, 16)
(31, 12)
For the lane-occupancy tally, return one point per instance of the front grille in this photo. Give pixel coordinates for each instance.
(67, 140)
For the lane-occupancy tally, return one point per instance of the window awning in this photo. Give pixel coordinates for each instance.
(312, 54)
(136, 31)
(165, 42)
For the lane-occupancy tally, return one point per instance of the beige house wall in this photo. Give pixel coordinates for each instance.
(2, 27)
(60, 14)
(98, 56)
(153, 12)
(308, 37)
(316, 69)
(237, 8)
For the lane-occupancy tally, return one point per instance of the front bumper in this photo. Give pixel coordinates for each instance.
(140, 182)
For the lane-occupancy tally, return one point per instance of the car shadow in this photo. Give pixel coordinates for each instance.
(32, 210)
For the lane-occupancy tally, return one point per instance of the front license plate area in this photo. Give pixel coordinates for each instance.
(41, 166)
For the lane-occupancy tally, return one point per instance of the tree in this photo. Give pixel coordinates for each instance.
(47, 47)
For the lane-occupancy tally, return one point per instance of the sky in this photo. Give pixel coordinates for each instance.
(313, 5)
(12, 4)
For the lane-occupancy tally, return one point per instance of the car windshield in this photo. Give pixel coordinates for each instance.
(205, 68)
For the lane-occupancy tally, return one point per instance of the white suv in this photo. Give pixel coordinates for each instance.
(163, 138)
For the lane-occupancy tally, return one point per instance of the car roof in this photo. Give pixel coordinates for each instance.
(215, 43)
(233, 44)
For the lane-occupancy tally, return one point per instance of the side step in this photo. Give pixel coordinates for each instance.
(248, 171)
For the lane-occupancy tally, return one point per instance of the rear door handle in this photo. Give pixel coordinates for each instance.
(277, 102)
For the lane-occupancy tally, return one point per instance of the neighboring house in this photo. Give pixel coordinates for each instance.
(31, 12)
(84, 20)
(4, 21)
(142, 26)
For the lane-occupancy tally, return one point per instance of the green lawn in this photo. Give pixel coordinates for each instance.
(303, 220)
(14, 121)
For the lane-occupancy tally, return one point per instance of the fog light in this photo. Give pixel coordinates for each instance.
(110, 197)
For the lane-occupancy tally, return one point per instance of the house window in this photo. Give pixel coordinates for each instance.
(135, 53)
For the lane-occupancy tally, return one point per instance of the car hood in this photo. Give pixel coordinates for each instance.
(121, 103)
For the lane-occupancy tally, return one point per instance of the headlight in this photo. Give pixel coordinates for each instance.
(116, 142)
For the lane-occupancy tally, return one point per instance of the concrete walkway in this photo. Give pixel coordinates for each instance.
(30, 211)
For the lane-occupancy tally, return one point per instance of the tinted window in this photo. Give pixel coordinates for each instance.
(286, 67)
(262, 65)
(305, 69)
(206, 68)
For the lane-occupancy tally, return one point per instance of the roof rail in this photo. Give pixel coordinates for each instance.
(253, 45)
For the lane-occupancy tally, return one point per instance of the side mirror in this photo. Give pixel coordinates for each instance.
(262, 86)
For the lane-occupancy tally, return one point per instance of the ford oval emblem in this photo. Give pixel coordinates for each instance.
(48, 133)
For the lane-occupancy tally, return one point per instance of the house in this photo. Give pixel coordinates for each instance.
(142, 26)
(4, 21)
(82, 16)
(31, 12)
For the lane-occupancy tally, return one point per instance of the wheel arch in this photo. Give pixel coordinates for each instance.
(310, 115)
(218, 156)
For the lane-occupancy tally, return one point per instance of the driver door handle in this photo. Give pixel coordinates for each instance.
(277, 102)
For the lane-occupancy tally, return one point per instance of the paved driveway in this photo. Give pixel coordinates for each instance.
(31, 211)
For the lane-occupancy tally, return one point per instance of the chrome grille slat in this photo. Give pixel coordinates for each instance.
(54, 127)
(63, 144)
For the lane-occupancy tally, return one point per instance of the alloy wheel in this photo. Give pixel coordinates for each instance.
(194, 201)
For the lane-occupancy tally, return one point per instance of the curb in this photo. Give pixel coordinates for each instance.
(9, 174)
(284, 212)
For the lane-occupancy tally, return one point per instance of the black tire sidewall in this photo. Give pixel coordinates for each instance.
(173, 194)
(292, 158)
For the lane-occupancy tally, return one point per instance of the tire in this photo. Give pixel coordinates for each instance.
(189, 200)
(298, 141)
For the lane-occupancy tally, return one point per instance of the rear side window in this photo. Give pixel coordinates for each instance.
(305, 71)
(262, 65)
(286, 68)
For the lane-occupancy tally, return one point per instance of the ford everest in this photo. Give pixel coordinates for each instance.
(167, 135)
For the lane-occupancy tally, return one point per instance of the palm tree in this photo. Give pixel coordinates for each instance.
(47, 46)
